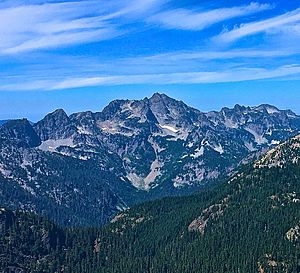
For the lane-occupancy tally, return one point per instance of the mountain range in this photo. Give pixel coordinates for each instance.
(69, 166)
(2, 122)
(249, 222)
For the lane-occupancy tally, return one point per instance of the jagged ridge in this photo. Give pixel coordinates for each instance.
(134, 150)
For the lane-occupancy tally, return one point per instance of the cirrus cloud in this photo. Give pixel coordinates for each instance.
(203, 77)
(197, 20)
(31, 25)
(288, 19)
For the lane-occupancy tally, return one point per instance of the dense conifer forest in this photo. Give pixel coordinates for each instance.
(249, 223)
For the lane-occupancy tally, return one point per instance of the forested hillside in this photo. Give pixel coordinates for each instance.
(249, 223)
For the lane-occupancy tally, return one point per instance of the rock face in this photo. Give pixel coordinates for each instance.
(69, 190)
(211, 213)
(56, 125)
(21, 132)
(293, 234)
(133, 150)
(160, 139)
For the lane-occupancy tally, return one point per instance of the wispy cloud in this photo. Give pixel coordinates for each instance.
(32, 25)
(289, 19)
(236, 75)
(222, 55)
(197, 20)
(200, 60)
(62, 39)
(35, 24)
(48, 71)
(54, 66)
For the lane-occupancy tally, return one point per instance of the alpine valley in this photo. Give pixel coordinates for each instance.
(84, 168)
(249, 222)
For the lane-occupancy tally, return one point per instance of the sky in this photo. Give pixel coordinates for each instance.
(80, 55)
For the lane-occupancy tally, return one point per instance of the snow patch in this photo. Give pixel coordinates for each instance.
(170, 128)
(83, 131)
(198, 152)
(51, 145)
(121, 208)
(272, 110)
(218, 149)
(190, 144)
(83, 157)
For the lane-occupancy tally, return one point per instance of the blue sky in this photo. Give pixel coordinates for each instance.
(79, 55)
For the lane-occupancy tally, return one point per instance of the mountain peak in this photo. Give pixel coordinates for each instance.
(21, 131)
(239, 108)
(158, 95)
(59, 112)
(161, 98)
(54, 125)
(270, 109)
(57, 116)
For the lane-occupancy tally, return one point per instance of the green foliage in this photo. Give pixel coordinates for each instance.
(250, 234)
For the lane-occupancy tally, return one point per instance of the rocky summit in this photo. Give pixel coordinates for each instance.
(131, 151)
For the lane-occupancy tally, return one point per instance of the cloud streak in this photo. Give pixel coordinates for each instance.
(27, 27)
(34, 25)
(238, 75)
(288, 19)
(222, 55)
(204, 77)
(185, 19)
